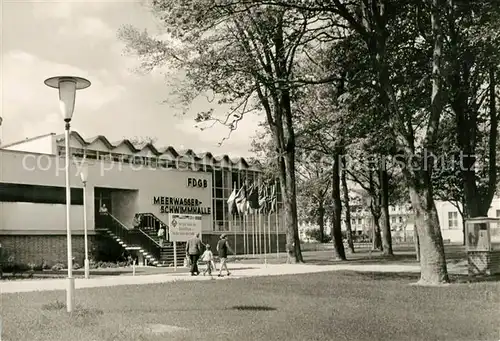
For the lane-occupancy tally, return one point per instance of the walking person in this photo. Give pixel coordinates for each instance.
(194, 248)
(223, 248)
(208, 259)
(161, 235)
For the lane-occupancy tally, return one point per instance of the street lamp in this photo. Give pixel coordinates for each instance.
(84, 175)
(67, 86)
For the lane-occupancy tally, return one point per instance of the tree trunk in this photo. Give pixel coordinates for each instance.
(432, 256)
(290, 204)
(321, 221)
(416, 242)
(463, 232)
(337, 209)
(376, 236)
(386, 225)
(345, 191)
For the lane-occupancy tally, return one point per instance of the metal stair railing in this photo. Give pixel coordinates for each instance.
(133, 236)
(150, 224)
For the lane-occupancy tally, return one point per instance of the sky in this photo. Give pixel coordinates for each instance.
(41, 39)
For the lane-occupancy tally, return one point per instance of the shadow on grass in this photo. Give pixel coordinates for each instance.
(62, 274)
(40, 275)
(253, 308)
(414, 277)
(363, 259)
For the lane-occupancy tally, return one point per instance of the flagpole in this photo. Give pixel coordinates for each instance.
(277, 220)
(259, 249)
(244, 234)
(265, 241)
(253, 234)
(233, 225)
(269, 230)
(260, 233)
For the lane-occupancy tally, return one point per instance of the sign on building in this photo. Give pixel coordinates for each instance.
(182, 227)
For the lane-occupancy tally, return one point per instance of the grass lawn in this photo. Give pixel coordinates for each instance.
(323, 306)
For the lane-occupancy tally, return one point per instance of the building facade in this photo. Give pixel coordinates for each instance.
(402, 220)
(129, 180)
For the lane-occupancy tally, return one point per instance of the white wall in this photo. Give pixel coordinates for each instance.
(124, 205)
(455, 234)
(40, 169)
(45, 144)
(21, 217)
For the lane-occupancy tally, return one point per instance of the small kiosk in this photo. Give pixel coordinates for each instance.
(483, 254)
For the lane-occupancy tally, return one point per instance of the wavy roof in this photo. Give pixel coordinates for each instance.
(188, 154)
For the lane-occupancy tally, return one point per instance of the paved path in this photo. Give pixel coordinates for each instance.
(238, 271)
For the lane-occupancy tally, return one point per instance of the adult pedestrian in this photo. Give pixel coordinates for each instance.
(223, 248)
(194, 248)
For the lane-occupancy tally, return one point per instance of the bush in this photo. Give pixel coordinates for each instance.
(58, 267)
(106, 265)
(76, 266)
(315, 234)
(37, 267)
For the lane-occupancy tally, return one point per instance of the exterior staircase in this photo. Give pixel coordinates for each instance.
(150, 224)
(143, 240)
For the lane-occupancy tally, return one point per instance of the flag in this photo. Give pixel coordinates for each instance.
(241, 200)
(263, 200)
(253, 198)
(231, 203)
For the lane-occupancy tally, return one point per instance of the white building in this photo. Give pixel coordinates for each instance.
(402, 220)
(129, 179)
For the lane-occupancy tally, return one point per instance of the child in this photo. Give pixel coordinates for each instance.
(208, 258)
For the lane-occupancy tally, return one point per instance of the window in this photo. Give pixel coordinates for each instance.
(360, 221)
(105, 156)
(137, 160)
(61, 151)
(218, 193)
(393, 220)
(236, 179)
(79, 153)
(116, 157)
(452, 220)
(498, 216)
(38, 194)
(218, 179)
(400, 219)
(353, 221)
(91, 154)
(219, 209)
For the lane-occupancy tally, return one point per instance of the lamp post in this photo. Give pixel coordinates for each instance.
(84, 175)
(67, 87)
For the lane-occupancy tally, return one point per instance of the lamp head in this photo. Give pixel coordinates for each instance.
(67, 86)
(84, 172)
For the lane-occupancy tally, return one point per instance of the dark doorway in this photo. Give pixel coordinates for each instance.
(102, 196)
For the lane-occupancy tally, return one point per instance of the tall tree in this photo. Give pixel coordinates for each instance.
(322, 117)
(345, 192)
(474, 42)
(247, 56)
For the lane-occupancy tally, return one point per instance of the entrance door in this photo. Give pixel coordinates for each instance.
(102, 196)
